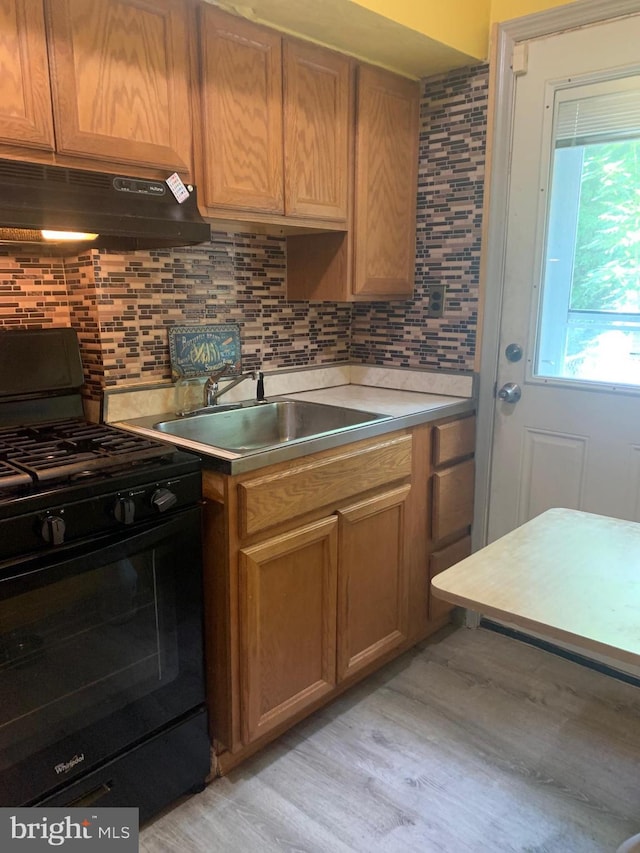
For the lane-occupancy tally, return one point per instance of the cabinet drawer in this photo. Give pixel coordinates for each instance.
(275, 498)
(441, 560)
(453, 440)
(452, 500)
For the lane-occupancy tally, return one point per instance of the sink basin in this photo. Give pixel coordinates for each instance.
(257, 427)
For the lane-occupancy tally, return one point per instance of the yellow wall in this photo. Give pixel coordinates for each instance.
(461, 24)
(502, 10)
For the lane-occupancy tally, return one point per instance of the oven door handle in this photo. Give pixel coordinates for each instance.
(79, 558)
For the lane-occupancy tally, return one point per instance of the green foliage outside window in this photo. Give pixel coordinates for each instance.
(606, 275)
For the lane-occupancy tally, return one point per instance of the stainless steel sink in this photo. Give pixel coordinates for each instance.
(265, 425)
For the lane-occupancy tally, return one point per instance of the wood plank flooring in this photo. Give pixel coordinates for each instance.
(472, 742)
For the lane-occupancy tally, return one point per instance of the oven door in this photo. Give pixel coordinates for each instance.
(100, 647)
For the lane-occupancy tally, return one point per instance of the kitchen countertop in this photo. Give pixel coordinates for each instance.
(402, 408)
(384, 401)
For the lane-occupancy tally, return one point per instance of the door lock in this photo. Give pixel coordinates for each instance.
(513, 352)
(510, 392)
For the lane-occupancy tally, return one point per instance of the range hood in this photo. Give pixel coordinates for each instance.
(120, 212)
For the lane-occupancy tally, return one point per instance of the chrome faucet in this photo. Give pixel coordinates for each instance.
(212, 392)
(211, 385)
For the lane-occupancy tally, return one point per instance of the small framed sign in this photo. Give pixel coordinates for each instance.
(199, 350)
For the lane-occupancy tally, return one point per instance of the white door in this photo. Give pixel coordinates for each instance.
(570, 323)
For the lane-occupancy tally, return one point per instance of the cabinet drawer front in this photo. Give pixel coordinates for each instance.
(452, 500)
(441, 560)
(276, 498)
(453, 440)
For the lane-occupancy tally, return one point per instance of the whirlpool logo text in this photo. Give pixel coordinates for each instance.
(65, 766)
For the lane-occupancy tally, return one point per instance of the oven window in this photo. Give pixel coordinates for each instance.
(81, 648)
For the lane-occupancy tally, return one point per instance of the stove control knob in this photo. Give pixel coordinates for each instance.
(163, 499)
(125, 510)
(52, 530)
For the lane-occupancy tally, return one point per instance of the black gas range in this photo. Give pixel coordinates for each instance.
(101, 653)
(64, 480)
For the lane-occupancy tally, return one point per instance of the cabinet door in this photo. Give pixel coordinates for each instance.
(26, 117)
(242, 148)
(372, 588)
(120, 75)
(317, 103)
(386, 183)
(287, 624)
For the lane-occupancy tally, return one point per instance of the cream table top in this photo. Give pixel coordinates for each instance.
(573, 575)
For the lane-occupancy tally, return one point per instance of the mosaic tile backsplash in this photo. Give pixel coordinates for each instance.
(122, 304)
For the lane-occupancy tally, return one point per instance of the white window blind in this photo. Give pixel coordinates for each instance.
(598, 118)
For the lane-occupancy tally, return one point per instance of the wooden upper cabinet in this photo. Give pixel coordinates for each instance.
(120, 81)
(241, 90)
(317, 122)
(276, 119)
(386, 183)
(25, 96)
(375, 258)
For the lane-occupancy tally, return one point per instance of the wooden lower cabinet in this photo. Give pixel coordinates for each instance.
(453, 481)
(287, 624)
(317, 604)
(439, 561)
(316, 573)
(372, 588)
(453, 500)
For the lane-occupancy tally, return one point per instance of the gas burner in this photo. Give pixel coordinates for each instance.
(82, 475)
(69, 449)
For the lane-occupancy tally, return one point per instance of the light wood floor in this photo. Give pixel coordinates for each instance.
(475, 742)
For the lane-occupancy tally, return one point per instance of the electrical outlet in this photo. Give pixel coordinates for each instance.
(436, 300)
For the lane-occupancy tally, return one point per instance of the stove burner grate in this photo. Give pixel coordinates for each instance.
(63, 449)
(11, 477)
